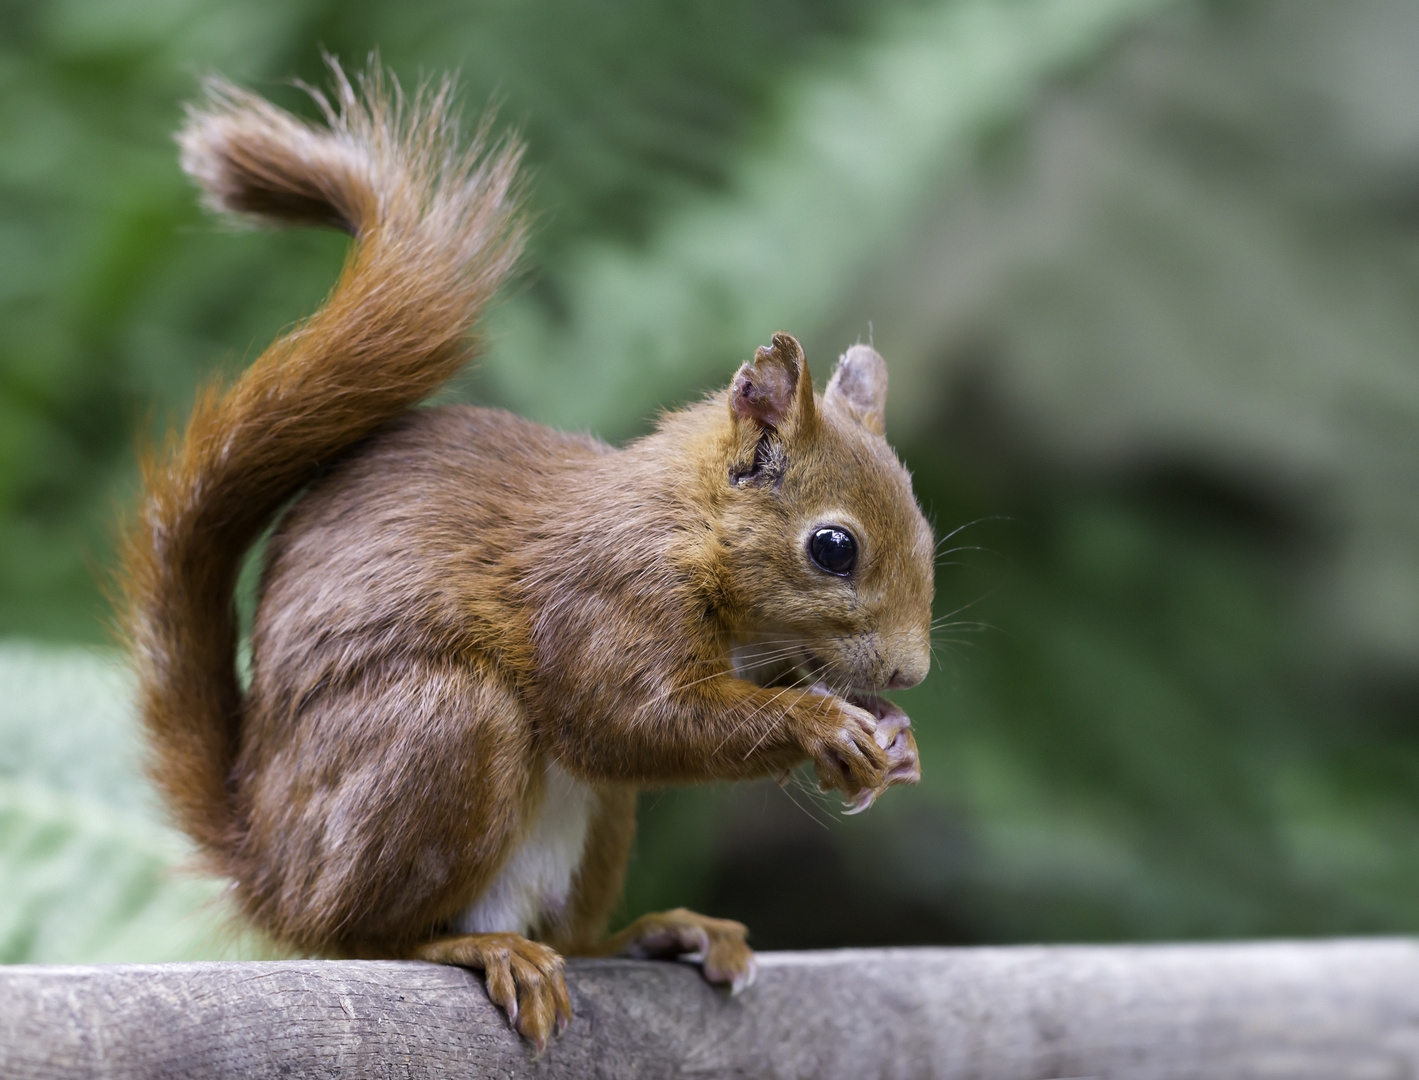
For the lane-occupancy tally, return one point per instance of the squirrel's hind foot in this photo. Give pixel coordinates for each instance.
(523, 977)
(717, 945)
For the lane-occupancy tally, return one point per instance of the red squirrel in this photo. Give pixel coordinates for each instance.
(477, 637)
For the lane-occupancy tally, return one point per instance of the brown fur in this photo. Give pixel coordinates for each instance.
(460, 598)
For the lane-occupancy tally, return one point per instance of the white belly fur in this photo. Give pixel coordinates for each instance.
(536, 880)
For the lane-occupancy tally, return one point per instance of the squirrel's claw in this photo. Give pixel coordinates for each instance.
(862, 802)
(744, 976)
(523, 977)
(849, 758)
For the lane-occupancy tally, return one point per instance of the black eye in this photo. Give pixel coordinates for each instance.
(834, 550)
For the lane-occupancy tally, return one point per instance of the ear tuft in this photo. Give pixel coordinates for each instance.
(774, 391)
(860, 383)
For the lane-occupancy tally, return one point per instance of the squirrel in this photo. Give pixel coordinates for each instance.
(476, 637)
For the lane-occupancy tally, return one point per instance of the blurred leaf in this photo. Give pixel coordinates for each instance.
(88, 873)
(837, 174)
(117, 297)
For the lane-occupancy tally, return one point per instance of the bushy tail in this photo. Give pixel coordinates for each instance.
(436, 234)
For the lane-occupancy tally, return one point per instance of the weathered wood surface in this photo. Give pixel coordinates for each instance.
(1328, 1010)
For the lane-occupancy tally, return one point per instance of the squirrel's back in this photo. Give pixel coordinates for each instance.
(386, 551)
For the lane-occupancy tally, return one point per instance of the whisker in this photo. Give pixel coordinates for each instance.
(774, 654)
(740, 726)
(821, 799)
(956, 550)
(965, 626)
(970, 524)
(792, 686)
(771, 641)
(684, 686)
(794, 656)
(784, 690)
(964, 607)
(784, 787)
(753, 660)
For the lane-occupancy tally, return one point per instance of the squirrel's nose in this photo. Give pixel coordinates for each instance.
(910, 657)
(900, 679)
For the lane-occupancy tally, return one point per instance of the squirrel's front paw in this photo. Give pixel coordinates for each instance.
(845, 751)
(895, 737)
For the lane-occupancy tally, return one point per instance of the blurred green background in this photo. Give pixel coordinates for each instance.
(1145, 273)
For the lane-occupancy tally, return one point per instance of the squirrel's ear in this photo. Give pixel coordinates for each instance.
(860, 383)
(775, 391)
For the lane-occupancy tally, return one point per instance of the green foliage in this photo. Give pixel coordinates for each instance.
(856, 143)
(117, 296)
(91, 874)
(1132, 307)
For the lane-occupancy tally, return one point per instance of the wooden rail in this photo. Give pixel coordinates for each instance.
(1329, 1010)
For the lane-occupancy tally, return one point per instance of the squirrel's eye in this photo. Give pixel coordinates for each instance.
(833, 550)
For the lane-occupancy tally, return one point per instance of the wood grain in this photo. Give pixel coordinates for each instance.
(1328, 1010)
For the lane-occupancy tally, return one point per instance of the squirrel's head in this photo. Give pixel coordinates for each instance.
(829, 558)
